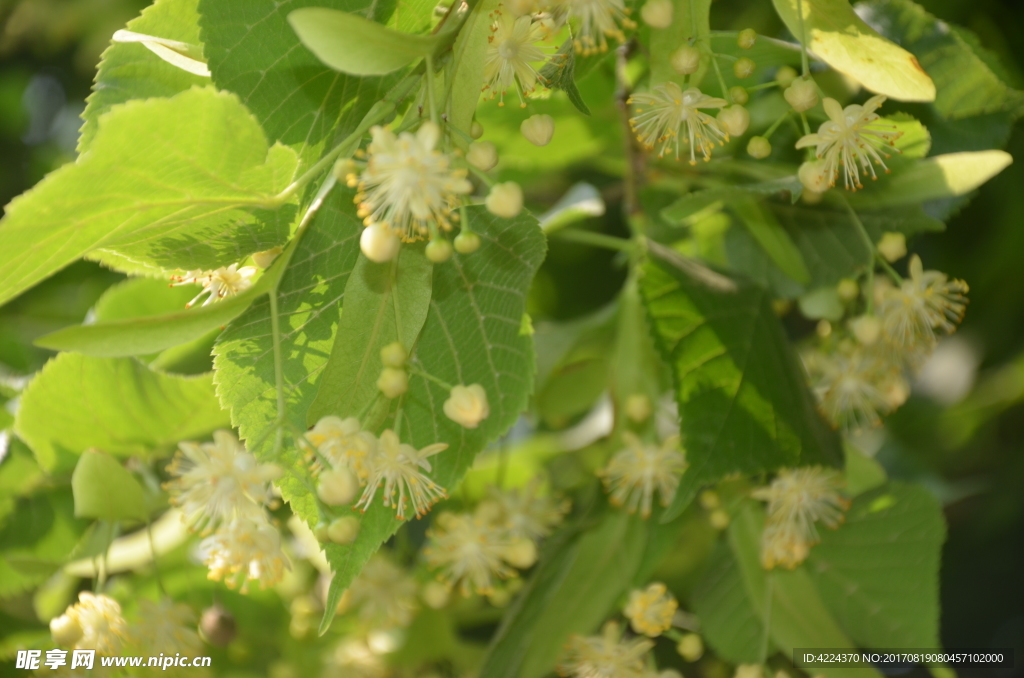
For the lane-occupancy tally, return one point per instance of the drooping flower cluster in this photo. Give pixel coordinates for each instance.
(380, 462)
(797, 499)
(219, 283)
(511, 52)
(853, 139)
(650, 610)
(605, 656)
(94, 623)
(668, 116)
(639, 470)
(221, 488)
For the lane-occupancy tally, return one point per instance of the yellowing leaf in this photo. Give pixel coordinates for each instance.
(834, 32)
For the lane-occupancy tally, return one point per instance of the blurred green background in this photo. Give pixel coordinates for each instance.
(962, 433)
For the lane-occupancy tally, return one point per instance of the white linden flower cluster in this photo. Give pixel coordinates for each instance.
(797, 499)
(650, 610)
(221, 488)
(94, 623)
(218, 284)
(376, 462)
(605, 656)
(667, 116)
(639, 470)
(471, 550)
(511, 53)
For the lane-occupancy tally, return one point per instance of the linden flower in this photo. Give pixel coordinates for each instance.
(650, 611)
(851, 136)
(94, 623)
(853, 386)
(781, 545)
(522, 513)
(635, 473)
(396, 466)
(166, 628)
(510, 56)
(343, 442)
(799, 498)
(384, 594)
(407, 184)
(222, 282)
(247, 548)
(217, 482)
(667, 115)
(598, 20)
(926, 301)
(604, 656)
(469, 550)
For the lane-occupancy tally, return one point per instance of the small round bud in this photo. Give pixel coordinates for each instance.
(638, 408)
(743, 67)
(320, 532)
(266, 258)
(337, 486)
(866, 328)
(814, 176)
(802, 95)
(892, 246)
(759, 148)
(435, 594)
(823, 329)
(505, 200)
(719, 519)
(394, 355)
(685, 60)
(467, 242)
(746, 38)
(786, 75)
(476, 130)
(848, 289)
(393, 382)
(521, 554)
(734, 120)
(467, 405)
(482, 155)
(538, 129)
(65, 630)
(690, 647)
(343, 530)
(709, 500)
(439, 250)
(657, 13)
(739, 95)
(379, 244)
(217, 626)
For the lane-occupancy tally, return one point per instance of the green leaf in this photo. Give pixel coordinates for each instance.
(116, 405)
(743, 400)
(35, 544)
(727, 617)
(198, 191)
(965, 81)
(106, 490)
(774, 239)
(942, 176)
(384, 303)
(840, 38)
(351, 44)
(573, 589)
(130, 71)
(862, 473)
(691, 21)
(559, 73)
(879, 572)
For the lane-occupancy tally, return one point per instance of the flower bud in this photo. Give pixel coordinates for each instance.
(394, 355)
(685, 60)
(739, 95)
(505, 200)
(866, 328)
(266, 258)
(709, 500)
(467, 405)
(759, 148)
(657, 13)
(343, 530)
(892, 246)
(66, 630)
(482, 155)
(476, 130)
(802, 95)
(785, 76)
(379, 244)
(439, 250)
(814, 177)
(734, 120)
(746, 38)
(467, 242)
(690, 647)
(538, 129)
(337, 486)
(719, 519)
(848, 289)
(521, 554)
(393, 382)
(435, 594)
(320, 532)
(743, 67)
(217, 626)
(638, 408)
